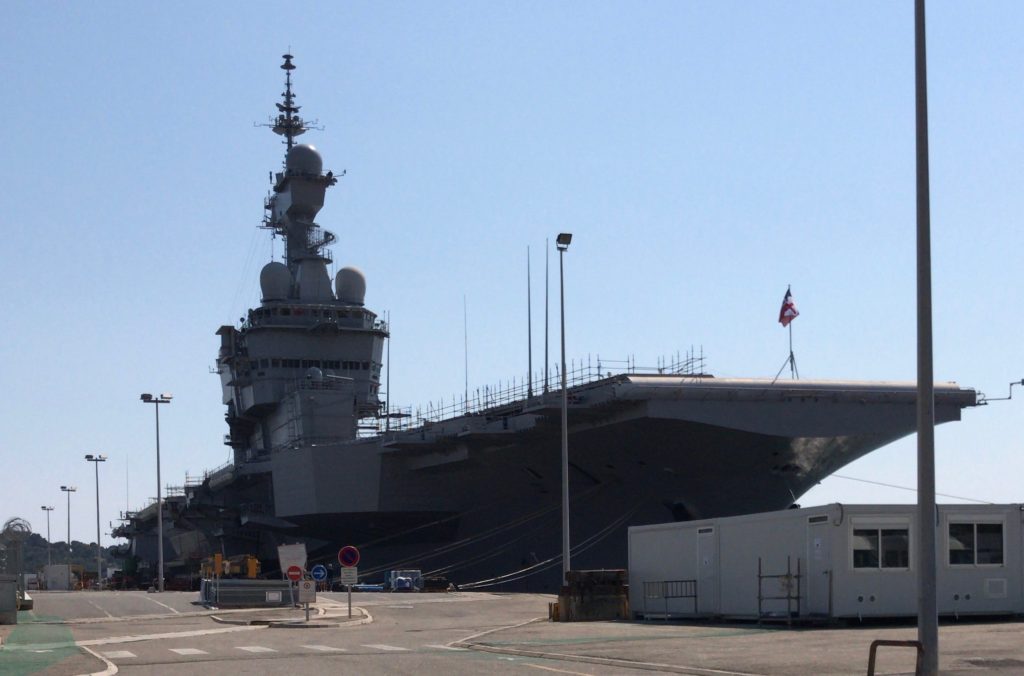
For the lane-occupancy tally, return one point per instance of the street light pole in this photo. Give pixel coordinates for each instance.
(562, 242)
(49, 558)
(156, 401)
(96, 460)
(69, 490)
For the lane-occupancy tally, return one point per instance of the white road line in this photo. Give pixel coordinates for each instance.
(440, 646)
(162, 604)
(255, 649)
(559, 671)
(188, 651)
(153, 637)
(98, 608)
(324, 648)
(381, 646)
(119, 654)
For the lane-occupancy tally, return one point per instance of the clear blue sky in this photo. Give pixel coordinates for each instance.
(704, 154)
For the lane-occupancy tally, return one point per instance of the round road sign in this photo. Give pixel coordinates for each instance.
(348, 556)
(319, 573)
(294, 573)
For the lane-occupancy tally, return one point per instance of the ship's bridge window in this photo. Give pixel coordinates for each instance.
(975, 544)
(286, 310)
(264, 363)
(875, 548)
(275, 363)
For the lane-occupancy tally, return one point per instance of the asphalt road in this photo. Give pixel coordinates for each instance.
(460, 633)
(143, 634)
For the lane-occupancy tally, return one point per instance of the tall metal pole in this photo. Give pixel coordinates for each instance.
(69, 490)
(96, 460)
(927, 606)
(99, 556)
(159, 507)
(563, 243)
(529, 329)
(156, 401)
(49, 558)
(546, 361)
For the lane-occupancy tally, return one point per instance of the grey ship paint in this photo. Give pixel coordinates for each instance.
(475, 495)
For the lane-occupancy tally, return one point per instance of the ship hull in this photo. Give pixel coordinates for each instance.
(477, 499)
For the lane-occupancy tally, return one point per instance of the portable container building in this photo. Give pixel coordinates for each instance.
(837, 561)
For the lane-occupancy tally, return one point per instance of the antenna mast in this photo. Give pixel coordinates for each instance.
(288, 123)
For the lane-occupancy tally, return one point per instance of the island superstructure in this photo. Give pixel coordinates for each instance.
(473, 493)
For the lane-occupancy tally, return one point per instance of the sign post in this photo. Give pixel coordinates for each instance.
(319, 573)
(348, 557)
(294, 574)
(307, 594)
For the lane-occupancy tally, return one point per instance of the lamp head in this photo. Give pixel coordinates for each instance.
(563, 240)
(146, 397)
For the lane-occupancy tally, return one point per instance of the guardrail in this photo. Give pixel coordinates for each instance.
(669, 589)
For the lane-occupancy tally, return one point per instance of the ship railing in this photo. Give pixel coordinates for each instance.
(513, 395)
(217, 470)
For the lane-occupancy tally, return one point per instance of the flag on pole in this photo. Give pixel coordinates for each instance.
(788, 311)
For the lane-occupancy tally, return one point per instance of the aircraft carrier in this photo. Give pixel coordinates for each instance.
(473, 491)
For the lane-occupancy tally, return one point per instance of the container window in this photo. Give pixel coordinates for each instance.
(895, 548)
(881, 548)
(990, 543)
(865, 548)
(975, 543)
(961, 544)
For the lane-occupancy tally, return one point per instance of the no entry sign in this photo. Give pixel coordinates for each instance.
(348, 556)
(294, 573)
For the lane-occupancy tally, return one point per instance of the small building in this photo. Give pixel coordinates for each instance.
(834, 561)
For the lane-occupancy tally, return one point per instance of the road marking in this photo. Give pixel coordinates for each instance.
(402, 607)
(255, 649)
(98, 608)
(324, 648)
(444, 647)
(560, 671)
(163, 604)
(186, 651)
(119, 654)
(154, 637)
(381, 646)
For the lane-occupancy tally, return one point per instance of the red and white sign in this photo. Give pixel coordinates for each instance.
(294, 573)
(348, 556)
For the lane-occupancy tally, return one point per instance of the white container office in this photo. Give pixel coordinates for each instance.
(837, 561)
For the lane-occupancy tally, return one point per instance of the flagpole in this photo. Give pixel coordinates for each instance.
(786, 316)
(792, 358)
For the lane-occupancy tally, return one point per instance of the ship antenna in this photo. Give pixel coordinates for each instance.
(529, 329)
(288, 123)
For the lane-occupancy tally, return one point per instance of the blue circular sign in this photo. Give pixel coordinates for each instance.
(319, 573)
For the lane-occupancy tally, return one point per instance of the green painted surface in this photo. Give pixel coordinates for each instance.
(33, 646)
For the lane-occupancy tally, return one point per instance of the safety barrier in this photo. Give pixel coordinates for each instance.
(669, 589)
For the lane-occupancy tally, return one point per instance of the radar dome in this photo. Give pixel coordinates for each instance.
(275, 281)
(304, 159)
(350, 285)
(314, 374)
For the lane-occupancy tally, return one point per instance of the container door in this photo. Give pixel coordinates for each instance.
(819, 567)
(707, 571)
